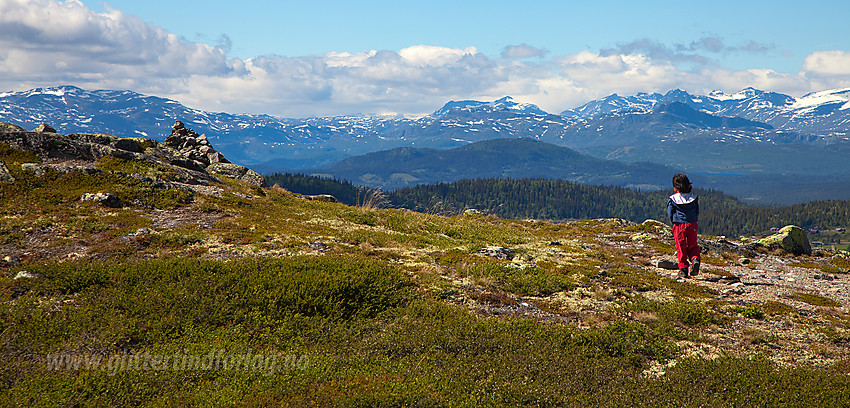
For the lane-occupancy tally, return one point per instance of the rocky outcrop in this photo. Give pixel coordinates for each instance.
(8, 127)
(189, 157)
(791, 239)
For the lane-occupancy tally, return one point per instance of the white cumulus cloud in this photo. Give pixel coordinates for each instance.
(42, 40)
(429, 55)
(828, 63)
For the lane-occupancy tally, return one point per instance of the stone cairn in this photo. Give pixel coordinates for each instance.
(193, 146)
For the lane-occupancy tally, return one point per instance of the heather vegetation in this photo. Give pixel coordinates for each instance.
(238, 295)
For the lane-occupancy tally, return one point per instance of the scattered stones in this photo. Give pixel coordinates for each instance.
(555, 243)
(106, 199)
(824, 276)
(498, 252)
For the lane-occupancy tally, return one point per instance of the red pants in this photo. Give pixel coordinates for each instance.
(687, 248)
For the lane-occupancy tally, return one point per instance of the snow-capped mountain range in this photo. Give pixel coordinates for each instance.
(822, 112)
(601, 126)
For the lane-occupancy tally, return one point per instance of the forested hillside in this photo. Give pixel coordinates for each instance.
(557, 200)
(560, 200)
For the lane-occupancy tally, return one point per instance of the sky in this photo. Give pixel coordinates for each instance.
(332, 57)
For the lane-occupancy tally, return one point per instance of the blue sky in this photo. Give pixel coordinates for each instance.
(789, 30)
(323, 57)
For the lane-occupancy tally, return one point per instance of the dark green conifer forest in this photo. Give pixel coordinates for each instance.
(720, 214)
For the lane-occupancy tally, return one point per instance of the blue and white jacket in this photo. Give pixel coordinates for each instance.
(683, 208)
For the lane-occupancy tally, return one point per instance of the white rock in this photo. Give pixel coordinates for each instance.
(25, 275)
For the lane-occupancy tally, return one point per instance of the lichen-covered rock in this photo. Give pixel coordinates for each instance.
(5, 176)
(327, 198)
(107, 199)
(790, 238)
(498, 252)
(664, 263)
(656, 227)
(641, 236)
(44, 128)
(238, 172)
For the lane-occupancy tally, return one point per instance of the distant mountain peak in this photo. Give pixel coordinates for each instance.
(748, 92)
(504, 103)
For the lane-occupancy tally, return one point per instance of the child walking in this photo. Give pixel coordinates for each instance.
(683, 211)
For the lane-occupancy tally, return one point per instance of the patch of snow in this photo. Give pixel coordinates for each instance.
(821, 98)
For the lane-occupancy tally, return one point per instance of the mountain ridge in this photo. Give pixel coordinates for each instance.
(270, 143)
(503, 158)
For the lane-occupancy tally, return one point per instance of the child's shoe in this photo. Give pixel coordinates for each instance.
(695, 267)
(683, 273)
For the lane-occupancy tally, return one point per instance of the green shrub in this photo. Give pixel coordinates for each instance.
(631, 342)
(772, 308)
(523, 281)
(750, 382)
(11, 155)
(750, 312)
(137, 167)
(679, 312)
(815, 300)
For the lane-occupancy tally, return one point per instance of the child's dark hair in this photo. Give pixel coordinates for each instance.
(681, 183)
